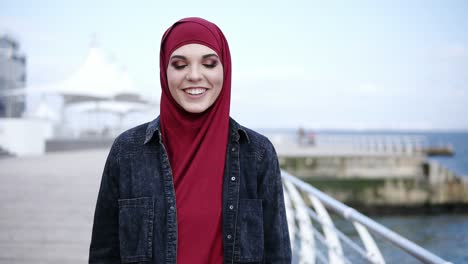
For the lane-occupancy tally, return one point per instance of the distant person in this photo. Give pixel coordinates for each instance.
(301, 135)
(192, 186)
(311, 138)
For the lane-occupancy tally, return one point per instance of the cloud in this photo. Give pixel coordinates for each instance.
(370, 89)
(456, 51)
(283, 72)
(461, 92)
(451, 52)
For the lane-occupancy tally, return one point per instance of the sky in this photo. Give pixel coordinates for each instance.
(315, 64)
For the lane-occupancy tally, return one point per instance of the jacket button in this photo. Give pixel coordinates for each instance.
(172, 207)
(233, 149)
(231, 207)
(233, 178)
(229, 236)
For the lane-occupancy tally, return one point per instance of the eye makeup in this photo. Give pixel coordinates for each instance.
(178, 64)
(210, 61)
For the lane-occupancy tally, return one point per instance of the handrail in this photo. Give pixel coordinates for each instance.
(353, 215)
(341, 235)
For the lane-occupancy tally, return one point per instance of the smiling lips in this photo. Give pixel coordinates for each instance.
(197, 91)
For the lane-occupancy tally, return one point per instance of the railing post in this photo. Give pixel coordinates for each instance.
(372, 249)
(335, 253)
(305, 226)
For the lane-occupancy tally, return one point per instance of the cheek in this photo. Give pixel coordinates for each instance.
(173, 79)
(218, 79)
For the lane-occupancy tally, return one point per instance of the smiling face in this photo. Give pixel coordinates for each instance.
(195, 77)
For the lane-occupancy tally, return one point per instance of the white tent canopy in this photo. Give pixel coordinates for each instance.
(96, 79)
(120, 108)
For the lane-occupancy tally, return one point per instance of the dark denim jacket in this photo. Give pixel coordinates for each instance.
(136, 220)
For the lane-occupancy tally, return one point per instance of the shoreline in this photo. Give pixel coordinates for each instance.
(413, 210)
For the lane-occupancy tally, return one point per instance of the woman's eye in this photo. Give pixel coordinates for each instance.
(179, 66)
(210, 65)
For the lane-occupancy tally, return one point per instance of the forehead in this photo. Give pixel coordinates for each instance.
(193, 50)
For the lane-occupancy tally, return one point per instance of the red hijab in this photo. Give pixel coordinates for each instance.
(196, 144)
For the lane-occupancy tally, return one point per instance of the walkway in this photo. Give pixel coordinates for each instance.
(47, 206)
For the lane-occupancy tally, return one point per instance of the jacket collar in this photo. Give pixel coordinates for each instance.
(237, 131)
(151, 129)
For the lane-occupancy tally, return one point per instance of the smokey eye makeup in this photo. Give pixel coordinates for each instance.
(210, 63)
(179, 62)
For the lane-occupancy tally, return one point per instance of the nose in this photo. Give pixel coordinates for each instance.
(194, 74)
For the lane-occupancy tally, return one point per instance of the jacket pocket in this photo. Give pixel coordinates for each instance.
(250, 230)
(136, 229)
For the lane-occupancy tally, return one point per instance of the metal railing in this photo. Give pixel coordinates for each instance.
(324, 243)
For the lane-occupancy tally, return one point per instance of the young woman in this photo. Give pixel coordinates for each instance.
(192, 186)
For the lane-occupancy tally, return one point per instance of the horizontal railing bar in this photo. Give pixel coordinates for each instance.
(351, 214)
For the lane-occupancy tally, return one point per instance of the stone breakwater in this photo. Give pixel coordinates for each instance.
(378, 182)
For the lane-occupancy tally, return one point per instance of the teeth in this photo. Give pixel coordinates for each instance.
(195, 91)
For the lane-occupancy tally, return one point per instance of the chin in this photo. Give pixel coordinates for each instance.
(195, 109)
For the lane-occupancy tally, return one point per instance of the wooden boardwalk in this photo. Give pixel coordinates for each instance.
(47, 206)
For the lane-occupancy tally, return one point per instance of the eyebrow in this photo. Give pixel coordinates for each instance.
(185, 58)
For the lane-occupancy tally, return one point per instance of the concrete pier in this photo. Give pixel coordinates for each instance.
(377, 180)
(47, 206)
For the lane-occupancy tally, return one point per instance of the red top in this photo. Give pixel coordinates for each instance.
(196, 145)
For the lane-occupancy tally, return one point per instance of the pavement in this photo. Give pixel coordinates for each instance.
(47, 206)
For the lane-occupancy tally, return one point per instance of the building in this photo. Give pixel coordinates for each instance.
(12, 78)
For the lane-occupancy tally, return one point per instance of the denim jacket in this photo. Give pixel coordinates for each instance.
(136, 218)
